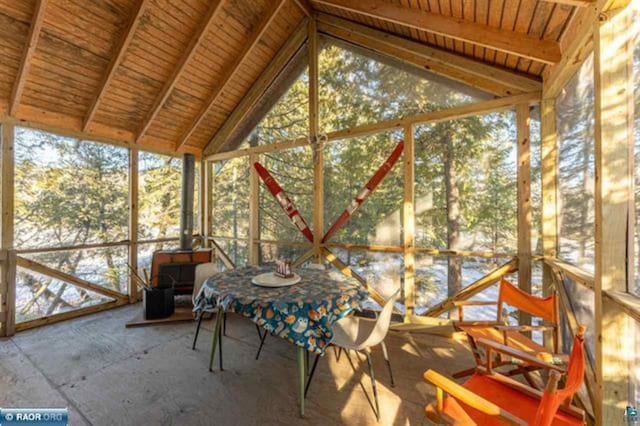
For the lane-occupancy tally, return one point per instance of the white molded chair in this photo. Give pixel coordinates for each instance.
(361, 334)
(203, 271)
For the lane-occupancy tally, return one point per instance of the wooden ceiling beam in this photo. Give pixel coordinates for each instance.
(286, 53)
(468, 71)
(202, 30)
(125, 40)
(576, 3)
(577, 45)
(29, 49)
(230, 71)
(522, 45)
(305, 6)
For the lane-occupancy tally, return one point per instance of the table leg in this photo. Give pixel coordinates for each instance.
(216, 336)
(301, 377)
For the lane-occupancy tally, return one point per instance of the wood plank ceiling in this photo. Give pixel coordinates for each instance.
(166, 74)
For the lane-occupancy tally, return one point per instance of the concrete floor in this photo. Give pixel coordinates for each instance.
(107, 374)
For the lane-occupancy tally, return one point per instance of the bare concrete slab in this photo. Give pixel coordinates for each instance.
(108, 374)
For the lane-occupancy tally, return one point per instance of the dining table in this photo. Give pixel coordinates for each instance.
(302, 313)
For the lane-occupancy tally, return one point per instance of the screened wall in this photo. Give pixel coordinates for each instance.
(465, 178)
(72, 214)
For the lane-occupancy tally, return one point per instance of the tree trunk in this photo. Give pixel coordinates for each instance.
(452, 195)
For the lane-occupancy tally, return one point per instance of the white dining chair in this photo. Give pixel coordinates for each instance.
(360, 335)
(203, 271)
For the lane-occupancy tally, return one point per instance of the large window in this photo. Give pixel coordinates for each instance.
(466, 195)
(288, 119)
(349, 164)
(230, 212)
(69, 193)
(358, 89)
(293, 169)
(159, 196)
(466, 184)
(575, 122)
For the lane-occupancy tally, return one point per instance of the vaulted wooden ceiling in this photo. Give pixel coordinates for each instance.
(167, 74)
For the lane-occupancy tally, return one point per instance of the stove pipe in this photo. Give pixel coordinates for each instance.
(186, 201)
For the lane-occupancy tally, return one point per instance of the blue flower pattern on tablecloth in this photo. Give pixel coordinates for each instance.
(302, 313)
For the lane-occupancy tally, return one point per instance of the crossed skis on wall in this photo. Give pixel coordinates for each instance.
(298, 221)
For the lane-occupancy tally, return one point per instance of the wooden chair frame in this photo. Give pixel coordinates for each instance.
(443, 384)
(500, 324)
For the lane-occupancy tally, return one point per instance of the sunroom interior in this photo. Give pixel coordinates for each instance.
(516, 125)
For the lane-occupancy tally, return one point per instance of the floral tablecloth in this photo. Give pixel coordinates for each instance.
(302, 313)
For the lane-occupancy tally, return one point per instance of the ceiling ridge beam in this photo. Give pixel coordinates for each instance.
(271, 73)
(492, 79)
(125, 40)
(522, 45)
(196, 40)
(231, 70)
(29, 49)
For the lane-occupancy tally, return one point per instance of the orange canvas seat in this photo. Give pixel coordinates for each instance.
(489, 398)
(545, 308)
(522, 406)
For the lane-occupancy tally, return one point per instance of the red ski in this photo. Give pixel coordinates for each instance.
(284, 201)
(366, 191)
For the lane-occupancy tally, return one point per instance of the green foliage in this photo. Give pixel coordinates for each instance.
(71, 192)
(354, 90)
(576, 141)
(159, 196)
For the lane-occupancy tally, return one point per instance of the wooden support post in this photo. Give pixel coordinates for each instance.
(549, 172)
(133, 223)
(408, 225)
(8, 279)
(524, 203)
(317, 145)
(254, 211)
(614, 199)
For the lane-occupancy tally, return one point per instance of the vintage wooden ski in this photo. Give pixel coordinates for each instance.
(284, 201)
(366, 191)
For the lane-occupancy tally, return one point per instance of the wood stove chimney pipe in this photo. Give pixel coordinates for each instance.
(186, 201)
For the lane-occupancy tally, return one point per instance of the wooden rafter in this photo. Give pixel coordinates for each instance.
(231, 70)
(576, 3)
(286, 53)
(576, 45)
(27, 54)
(305, 6)
(522, 45)
(468, 71)
(125, 40)
(201, 31)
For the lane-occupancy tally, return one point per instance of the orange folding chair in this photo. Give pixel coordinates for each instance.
(513, 335)
(490, 398)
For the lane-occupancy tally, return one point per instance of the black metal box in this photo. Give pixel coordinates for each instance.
(158, 303)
